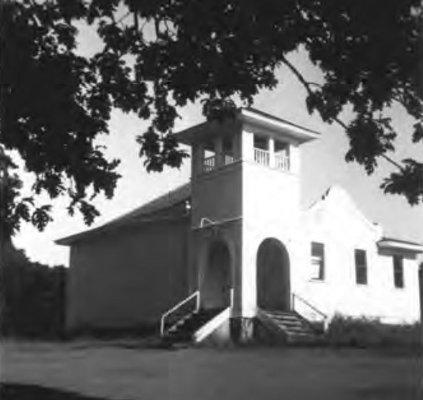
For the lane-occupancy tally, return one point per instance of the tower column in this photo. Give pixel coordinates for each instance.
(218, 148)
(271, 149)
(197, 159)
(247, 145)
(236, 146)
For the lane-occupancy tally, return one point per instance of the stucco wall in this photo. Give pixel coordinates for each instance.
(217, 195)
(342, 228)
(129, 277)
(270, 210)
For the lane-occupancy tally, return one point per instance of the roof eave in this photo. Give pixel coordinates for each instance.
(300, 134)
(82, 236)
(400, 245)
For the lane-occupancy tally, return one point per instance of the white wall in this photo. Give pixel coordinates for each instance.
(270, 206)
(337, 223)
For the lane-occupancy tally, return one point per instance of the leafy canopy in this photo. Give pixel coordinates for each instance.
(159, 55)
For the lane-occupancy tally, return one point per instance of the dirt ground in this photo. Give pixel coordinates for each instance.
(118, 370)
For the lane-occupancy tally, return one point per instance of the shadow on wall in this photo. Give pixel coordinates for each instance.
(421, 294)
(15, 391)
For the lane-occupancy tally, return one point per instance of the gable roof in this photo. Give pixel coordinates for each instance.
(148, 212)
(152, 211)
(338, 196)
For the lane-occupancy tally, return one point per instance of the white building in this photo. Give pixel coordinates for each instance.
(233, 247)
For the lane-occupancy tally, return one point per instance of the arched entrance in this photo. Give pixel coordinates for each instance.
(217, 282)
(273, 280)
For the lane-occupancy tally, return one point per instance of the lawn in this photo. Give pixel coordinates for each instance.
(118, 370)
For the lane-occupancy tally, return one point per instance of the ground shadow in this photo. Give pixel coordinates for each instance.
(16, 391)
(390, 392)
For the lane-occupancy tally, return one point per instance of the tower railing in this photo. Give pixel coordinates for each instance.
(209, 163)
(261, 156)
(228, 159)
(282, 162)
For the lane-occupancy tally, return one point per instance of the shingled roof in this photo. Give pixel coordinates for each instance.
(143, 214)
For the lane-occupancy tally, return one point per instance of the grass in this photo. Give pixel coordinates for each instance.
(363, 332)
(100, 370)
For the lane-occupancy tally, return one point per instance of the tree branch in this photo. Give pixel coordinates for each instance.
(297, 74)
(307, 85)
(391, 161)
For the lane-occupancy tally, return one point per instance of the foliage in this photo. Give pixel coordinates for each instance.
(365, 332)
(158, 55)
(15, 209)
(32, 297)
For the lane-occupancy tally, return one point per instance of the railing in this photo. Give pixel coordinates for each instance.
(282, 162)
(228, 159)
(261, 156)
(209, 164)
(314, 310)
(195, 295)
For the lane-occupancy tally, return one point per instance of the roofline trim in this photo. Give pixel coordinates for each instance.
(302, 134)
(69, 240)
(388, 243)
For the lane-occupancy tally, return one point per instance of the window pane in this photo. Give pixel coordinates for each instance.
(398, 271)
(317, 261)
(360, 267)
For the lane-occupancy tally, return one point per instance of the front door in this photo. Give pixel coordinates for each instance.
(273, 283)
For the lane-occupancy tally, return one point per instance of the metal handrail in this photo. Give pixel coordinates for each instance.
(304, 301)
(196, 295)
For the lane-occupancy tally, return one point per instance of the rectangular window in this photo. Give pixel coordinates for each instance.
(317, 261)
(360, 267)
(398, 271)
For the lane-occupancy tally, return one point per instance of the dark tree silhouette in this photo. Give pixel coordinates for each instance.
(56, 102)
(13, 208)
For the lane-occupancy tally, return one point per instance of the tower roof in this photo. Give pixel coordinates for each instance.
(256, 119)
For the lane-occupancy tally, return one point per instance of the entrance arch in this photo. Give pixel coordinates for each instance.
(273, 278)
(217, 283)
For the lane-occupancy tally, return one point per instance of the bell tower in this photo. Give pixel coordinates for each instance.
(244, 188)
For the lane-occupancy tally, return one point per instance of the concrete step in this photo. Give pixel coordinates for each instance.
(184, 328)
(295, 328)
(290, 322)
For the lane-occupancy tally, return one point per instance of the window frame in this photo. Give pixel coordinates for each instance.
(361, 266)
(400, 258)
(321, 260)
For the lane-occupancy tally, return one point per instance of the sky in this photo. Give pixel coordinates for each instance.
(323, 165)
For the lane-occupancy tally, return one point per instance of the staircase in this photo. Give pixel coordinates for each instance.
(293, 328)
(182, 331)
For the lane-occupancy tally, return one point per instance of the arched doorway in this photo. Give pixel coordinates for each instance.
(273, 280)
(217, 283)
